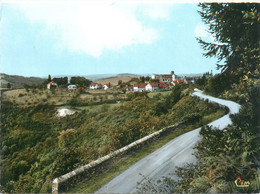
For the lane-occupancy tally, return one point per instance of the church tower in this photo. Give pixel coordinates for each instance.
(173, 76)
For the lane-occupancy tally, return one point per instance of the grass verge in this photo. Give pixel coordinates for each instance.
(97, 107)
(95, 183)
(152, 94)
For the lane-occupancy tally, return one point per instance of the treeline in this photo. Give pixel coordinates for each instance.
(77, 80)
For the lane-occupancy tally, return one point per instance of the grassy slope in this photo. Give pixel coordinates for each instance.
(93, 184)
(37, 147)
(19, 81)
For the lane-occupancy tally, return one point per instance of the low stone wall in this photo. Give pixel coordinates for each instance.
(63, 182)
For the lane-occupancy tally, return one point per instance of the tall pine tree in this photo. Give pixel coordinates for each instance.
(235, 28)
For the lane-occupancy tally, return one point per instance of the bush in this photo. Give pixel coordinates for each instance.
(192, 118)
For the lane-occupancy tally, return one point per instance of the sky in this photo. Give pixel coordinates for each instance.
(102, 37)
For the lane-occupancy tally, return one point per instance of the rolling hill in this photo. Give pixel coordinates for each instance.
(17, 81)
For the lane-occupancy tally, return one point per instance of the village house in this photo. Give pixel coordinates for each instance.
(139, 87)
(163, 85)
(105, 86)
(72, 87)
(165, 77)
(152, 87)
(51, 84)
(128, 88)
(95, 85)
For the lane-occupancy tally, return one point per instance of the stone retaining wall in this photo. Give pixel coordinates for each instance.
(63, 182)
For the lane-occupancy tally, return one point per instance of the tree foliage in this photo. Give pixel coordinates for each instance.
(61, 80)
(80, 81)
(235, 28)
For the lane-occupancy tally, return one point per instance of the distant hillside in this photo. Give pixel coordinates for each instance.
(191, 75)
(114, 80)
(17, 81)
(97, 77)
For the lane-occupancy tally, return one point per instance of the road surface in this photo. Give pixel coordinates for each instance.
(164, 161)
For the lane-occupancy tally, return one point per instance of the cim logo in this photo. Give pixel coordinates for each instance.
(240, 183)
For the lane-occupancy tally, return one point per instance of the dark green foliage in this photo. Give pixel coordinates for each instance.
(164, 104)
(80, 81)
(236, 29)
(218, 84)
(49, 78)
(9, 85)
(142, 78)
(61, 80)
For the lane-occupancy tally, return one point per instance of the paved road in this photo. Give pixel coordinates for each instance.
(164, 161)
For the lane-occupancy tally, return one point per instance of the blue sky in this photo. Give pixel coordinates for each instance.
(108, 37)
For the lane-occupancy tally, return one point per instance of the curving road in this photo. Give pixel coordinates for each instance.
(164, 161)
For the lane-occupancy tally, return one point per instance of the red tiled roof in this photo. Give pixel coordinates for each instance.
(154, 84)
(166, 75)
(52, 83)
(127, 87)
(93, 83)
(163, 85)
(142, 85)
(181, 81)
(175, 82)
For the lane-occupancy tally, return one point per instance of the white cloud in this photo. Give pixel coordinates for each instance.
(93, 27)
(201, 32)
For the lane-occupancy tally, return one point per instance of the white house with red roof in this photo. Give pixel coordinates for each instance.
(51, 84)
(152, 87)
(139, 87)
(128, 88)
(95, 85)
(165, 77)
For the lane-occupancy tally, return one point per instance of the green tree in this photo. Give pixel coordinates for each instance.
(235, 28)
(49, 78)
(80, 81)
(142, 78)
(9, 85)
(61, 80)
